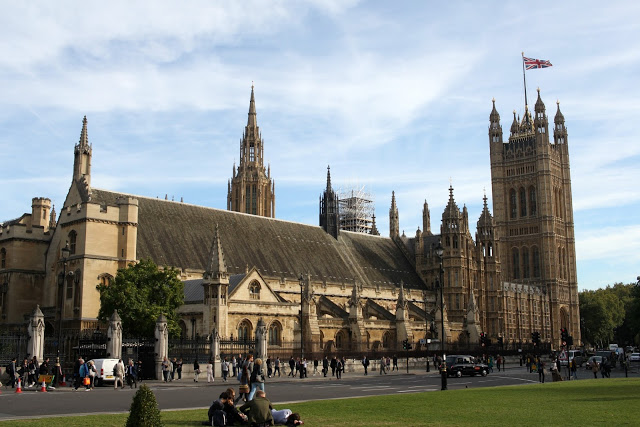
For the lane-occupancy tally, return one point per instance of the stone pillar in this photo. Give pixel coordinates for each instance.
(36, 334)
(214, 347)
(261, 339)
(162, 343)
(114, 336)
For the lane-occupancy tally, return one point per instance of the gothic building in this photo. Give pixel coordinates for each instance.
(250, 189)
(355, 291)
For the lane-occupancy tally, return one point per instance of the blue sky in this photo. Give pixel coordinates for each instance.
(393, 95)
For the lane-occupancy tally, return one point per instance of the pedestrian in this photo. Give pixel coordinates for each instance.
(541, 372)
(132, 375)
(303, 367)
(299, 367)
(12, 371)
(243, 391)
(388, 363)
(325, 366)
(84, 375)
(490, 363)
(395, 363)
(234, 365)
(174, 368)
(257, 378)
(196, 370)
(574, 369)
(276, 367)
(269, 368)
(139, 370)
(344, 365)
(179, 368)
(209, 371)
(339, 369)
(44, 367)
(383, 366)
(315, 366)
(165, 369)
(118, 374)
(498, 362)
(292, 367)
(224, 367)
(334, 363)
(92, 373)
(76, 373)
(594, 369)
(34, 368)
(365, 363)
(57, 371)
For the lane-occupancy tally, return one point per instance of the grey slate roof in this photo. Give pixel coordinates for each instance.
(180, 235)
(194, 292)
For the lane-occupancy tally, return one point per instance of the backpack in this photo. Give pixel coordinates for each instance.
(219, 418)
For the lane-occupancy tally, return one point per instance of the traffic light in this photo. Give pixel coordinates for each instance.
(409, 346)
(564, 336)
(483, 339)
(405, 344)
(535, 338)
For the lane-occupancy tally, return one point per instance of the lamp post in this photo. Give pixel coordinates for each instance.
(65, 252)
(301, 281)
(443, 371)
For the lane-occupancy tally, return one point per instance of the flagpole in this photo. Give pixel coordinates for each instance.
(525, 81)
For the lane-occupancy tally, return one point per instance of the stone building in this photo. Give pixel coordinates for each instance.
(355, 291)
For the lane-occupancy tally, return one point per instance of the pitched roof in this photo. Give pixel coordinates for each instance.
(194, 291)
(180, 235)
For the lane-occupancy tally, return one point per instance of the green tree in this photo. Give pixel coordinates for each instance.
(601, 312)
(140, 293)
(144, 410)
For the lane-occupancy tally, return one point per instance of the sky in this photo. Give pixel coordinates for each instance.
(394, 96)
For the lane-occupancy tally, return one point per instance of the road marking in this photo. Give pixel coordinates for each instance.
(416, 391)
(372, 386)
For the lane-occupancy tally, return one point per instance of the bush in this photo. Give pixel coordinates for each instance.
(144, 410)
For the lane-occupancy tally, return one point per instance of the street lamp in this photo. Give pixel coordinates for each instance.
(65, 252)
(443, 372)
(301, 281)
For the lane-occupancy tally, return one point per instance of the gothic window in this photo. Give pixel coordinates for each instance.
(457, 276)
(247, 198)
(244, 331)
(560, 266)
(536, 262)
(491, 282)
(69, 284)
(275, 334)
(523, 202)
(447, 242)
(340, 340)
(3, 258)
(532, 201)
(254, 290)
(490, 252)
(105, 279)
(72, 242)
(254, 204)
(252, 153)
(512, 203)
(455, 242)
(457, 301)
(386, 340)
(525, 263)
(515, 263)
(77, 284)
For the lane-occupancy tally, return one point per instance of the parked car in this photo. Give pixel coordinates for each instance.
(635, 357)
(459, 365)
(104, 370)
(578, 355)
(592, 359)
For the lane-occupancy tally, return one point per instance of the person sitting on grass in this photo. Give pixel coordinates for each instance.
(217, 415)
(234, 416)
(258, 410)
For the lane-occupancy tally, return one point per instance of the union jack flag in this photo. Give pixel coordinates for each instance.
(531, 63)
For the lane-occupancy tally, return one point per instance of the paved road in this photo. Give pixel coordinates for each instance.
(187, 394)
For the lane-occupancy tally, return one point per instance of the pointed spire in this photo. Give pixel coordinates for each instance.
(402, 301)
(452, 209)
(539, 107)
(374, 228)
(494, 117)
(84, 137)
(394, 222)
(52, 218)
(251, 121)
(216, 263)
(328, 178)
(559, 118)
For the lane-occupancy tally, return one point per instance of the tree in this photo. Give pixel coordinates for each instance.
(602, 311)
(140, 293)
(144, 409)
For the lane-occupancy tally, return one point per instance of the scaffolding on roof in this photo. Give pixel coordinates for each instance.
(356, 209)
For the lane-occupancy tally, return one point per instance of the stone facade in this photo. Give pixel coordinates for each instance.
(355, 291)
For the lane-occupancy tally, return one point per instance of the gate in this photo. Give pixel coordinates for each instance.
(13, 344)
(190, 350)
(232, 347)
(140, 350)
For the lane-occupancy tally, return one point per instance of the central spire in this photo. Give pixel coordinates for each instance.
(252, 121)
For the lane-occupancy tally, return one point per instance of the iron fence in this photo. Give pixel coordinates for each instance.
(190, 350)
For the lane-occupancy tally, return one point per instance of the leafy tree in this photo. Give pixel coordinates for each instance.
(140, 293)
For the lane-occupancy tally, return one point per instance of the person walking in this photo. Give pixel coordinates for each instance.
(334, 363)
(498, 362)
(292, 367)
(383, 366)
(365, 363)
(339, 369)
(84, 376)
(132, 375)
(76, 373)
(594, 369)
(209, 371)
(139, 370)
(541, 372)
(395, 363)
(174, 367)
(179, 368)
(118, 374)
(12, 371)
(243, 391)
(574, 369)
(257, 378)
(57, 371)
(315, 366)
(165, 369)
(325, 366)
(234, 365)
(269, 367)
(276, 367)
(196, 370)
(224, 367)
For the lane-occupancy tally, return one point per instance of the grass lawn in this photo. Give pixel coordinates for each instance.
(584, 402)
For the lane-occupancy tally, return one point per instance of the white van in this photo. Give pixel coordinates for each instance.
(104, 370)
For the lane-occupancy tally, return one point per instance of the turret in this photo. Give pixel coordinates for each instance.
(541, 122)
(485, 232)
(495, 129)
(374, 228)
(452, 224)
(40, 208)
(82, 156)
(394, 223)
(426, 218)
(330, 209)
(560, 130)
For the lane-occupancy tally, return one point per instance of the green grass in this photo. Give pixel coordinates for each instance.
(585, 402)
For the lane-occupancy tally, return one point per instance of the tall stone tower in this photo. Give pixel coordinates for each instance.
(330, 209)
(251, 190)
(533, 211)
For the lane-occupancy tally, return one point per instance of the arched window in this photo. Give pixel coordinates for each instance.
(69, 284)
(455, 242)
(77, 284)
(275, 334)
(340, 340)
(490, 251)
(254, 290)
(533, 201)
(525, 263)
(536, 262)
(72, 242)
(515, 263)
(386, 339)
(3, 258)
(244, 330)
(512, 203)
(523, 202)
(447, 241)
(105, 279)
